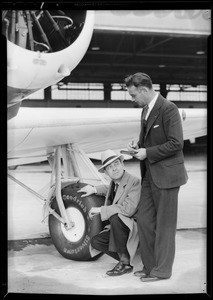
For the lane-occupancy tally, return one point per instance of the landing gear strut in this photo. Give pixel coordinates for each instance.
(70, 227)
(73, 237)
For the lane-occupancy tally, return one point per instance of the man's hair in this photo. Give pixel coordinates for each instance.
(138, 79)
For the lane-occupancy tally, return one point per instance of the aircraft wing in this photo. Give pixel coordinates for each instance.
(172, 22)
(34, 132)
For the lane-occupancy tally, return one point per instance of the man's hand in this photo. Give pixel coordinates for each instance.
(88, 190)
(141, 154)
(132, 145)
(94, 211)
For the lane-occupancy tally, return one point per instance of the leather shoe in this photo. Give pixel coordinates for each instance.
(149, 278)
(140, 273)
(120, 269)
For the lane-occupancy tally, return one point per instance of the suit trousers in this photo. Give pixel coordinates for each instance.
(112, 241)
(157, 221)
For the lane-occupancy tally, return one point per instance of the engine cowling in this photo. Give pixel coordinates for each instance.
(43, 47)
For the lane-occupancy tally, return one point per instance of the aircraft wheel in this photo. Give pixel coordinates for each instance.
(74, 243)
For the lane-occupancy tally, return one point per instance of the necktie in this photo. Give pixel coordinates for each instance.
(143, 122)
(113, 192)
(144, 112)
(116, 187)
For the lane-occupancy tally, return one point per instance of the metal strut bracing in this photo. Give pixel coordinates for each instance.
(45, 200)
(69, 165)
(55, 188)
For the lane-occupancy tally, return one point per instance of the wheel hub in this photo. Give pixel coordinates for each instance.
(75, 233)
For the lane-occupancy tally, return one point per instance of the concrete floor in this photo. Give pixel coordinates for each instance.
(37, 267)
(41, 269)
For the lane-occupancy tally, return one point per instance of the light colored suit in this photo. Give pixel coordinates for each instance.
(125, 204)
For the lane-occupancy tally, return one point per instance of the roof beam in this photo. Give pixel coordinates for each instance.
(109, 53)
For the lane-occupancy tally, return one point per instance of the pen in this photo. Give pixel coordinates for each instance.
(132, 144)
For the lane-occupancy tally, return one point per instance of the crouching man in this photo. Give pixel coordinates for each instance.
(119, 239)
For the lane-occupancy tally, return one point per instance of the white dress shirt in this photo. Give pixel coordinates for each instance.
(151, 105)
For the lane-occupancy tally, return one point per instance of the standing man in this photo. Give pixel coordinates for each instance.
(119, 239)
(159, 150)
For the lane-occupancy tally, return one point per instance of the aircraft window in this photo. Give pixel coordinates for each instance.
(95, 91)
(119, 92)
(186, 93)
(78, 91)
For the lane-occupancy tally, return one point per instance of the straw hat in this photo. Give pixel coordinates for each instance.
(107, 157)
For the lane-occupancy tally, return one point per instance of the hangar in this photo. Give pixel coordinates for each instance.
(172, 46)
(181, 64)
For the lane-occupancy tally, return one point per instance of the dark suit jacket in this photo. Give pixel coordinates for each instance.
(164, 144)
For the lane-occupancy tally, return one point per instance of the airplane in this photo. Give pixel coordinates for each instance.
(39, 56)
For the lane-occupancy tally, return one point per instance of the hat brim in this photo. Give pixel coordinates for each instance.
(101, 169)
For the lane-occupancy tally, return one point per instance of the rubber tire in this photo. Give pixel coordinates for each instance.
(79, 250)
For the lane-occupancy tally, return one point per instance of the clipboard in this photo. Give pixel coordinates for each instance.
(129, 152)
